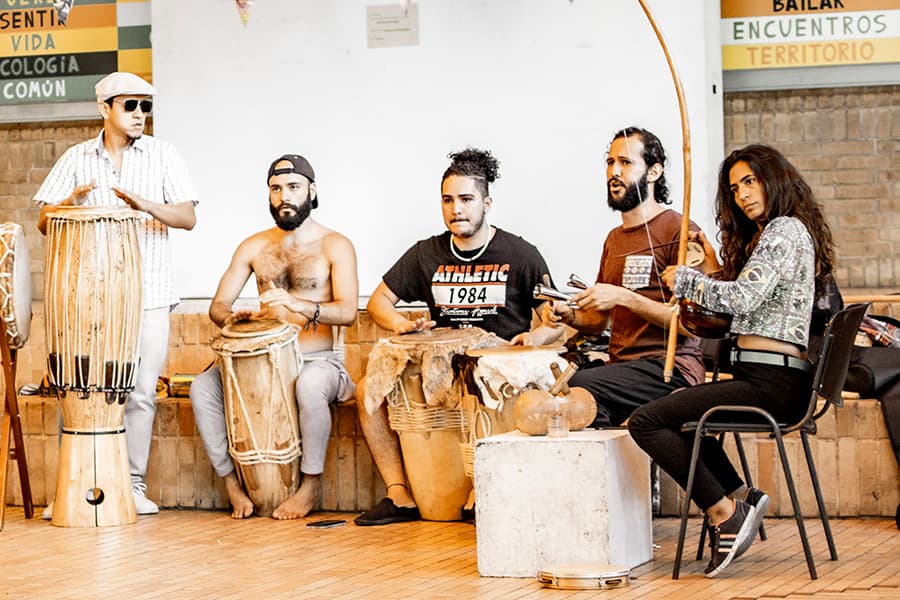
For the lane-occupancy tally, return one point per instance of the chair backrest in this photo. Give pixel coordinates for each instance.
(834, 359)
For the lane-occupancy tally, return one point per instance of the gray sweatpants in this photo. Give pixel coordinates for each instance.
(322, 380)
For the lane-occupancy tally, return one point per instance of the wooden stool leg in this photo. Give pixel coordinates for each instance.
(12, 425)
(4, 465)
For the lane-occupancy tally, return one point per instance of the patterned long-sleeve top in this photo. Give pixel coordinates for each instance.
(773, 294)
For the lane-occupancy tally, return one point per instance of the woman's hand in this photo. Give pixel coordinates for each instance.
(710, 260)
(668, 276)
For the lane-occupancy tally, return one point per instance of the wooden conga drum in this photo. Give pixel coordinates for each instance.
(493, 378)
(424, 409)
(92, 303)
(15, 284)
(261, 361)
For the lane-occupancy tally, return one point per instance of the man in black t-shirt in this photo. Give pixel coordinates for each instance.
(472, 275)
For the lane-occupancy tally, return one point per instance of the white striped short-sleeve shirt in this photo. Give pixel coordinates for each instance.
(153, 170)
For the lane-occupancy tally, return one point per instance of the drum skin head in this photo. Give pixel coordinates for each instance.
(253, 328)
(253, 336)
(93, 213)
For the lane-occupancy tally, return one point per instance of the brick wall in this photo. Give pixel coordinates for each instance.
(846, 143)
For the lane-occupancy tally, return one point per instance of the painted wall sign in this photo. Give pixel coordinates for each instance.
(43, 60)
(778, 34)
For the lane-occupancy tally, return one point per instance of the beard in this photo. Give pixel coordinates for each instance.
(476, 225)
(634, 194)
(289, 221)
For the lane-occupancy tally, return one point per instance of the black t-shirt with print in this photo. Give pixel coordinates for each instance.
(493, 292)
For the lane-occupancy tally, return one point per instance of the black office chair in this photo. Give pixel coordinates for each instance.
(828, 381)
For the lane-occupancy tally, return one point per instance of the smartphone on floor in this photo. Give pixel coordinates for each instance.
(326, 523)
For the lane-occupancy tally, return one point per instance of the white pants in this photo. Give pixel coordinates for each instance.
(140, 409)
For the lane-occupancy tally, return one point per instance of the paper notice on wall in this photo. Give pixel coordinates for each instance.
(391, 25)
(62, 9)
(244, 7)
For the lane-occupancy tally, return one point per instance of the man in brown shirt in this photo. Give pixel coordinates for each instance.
(628, 297)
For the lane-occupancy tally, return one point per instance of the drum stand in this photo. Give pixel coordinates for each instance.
(12, 426)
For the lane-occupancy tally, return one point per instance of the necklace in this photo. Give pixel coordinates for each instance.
(470, 259)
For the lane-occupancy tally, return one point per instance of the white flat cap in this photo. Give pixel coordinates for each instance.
(122, 84)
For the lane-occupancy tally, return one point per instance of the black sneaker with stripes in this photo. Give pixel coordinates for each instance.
(730, 538)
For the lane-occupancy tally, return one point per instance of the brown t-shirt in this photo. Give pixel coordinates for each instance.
(629, 262)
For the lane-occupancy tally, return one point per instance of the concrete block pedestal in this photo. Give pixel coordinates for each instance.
(545, 501)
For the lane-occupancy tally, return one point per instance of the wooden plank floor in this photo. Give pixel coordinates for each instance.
(206, 555)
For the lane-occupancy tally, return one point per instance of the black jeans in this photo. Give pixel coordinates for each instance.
(619, 388)
(656, 427)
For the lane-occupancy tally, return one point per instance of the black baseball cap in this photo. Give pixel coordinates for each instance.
(300, 166)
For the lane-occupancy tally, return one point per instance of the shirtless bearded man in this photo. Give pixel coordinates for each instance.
(306, 275)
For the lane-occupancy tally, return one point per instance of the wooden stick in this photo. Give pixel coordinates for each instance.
(686, 208)
(563, 379)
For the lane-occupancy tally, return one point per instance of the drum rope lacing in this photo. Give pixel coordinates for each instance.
(255, 456)
(105, 333)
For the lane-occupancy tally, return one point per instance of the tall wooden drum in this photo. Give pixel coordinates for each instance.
(261, 361)
(92, 304)
(424, 409)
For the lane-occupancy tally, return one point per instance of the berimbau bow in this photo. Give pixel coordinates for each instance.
(686, 207)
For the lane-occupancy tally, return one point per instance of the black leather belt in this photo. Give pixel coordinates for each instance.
(769, 358)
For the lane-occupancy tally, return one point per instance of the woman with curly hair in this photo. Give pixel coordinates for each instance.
(776, 245)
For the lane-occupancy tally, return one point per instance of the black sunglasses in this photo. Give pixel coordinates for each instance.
(131, 105)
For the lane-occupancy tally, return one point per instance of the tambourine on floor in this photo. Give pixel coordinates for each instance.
(584, 576)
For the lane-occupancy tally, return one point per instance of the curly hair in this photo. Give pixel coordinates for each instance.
(787, 194)
(653, 153)
(478, 164)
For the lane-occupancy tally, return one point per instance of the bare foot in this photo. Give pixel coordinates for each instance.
(241, 505)
(300, 504)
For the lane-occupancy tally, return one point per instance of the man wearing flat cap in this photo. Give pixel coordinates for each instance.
(122, 166)
(306, 275)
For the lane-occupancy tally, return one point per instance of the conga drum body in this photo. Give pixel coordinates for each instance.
(92, 304)
(424, 409)
(260, 364)
(15, 284)
(493, 379)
